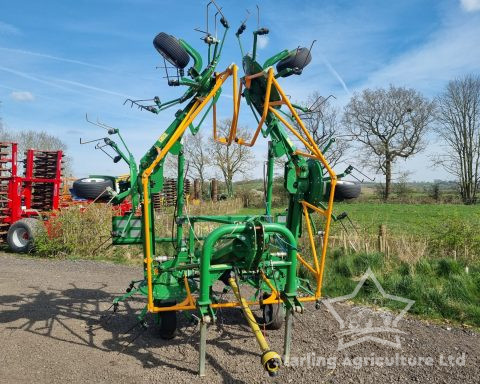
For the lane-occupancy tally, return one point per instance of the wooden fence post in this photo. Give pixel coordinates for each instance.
(382, 238)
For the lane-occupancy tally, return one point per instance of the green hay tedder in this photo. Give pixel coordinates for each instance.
(260, 251)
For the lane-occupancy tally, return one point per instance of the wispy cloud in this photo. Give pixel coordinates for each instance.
(336, 74)
(32, 78)
(22, 96)
(470, 5)
(56, 58)
(53, 82)
(8, 29)
(92, 88)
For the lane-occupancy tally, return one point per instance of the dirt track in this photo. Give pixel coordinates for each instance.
(50, 332)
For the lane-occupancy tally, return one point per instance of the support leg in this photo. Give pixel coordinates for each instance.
(203, 347)
(288, 337)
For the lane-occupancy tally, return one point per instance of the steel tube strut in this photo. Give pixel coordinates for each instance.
(230, 229)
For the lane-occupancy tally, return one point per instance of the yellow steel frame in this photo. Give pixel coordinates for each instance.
(315, 153)
(318, 268)
(191, 115)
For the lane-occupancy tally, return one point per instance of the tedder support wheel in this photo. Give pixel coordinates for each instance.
(92, 188)
(21, 235)
(345, 190)
(169, 47)
(273, 315)
(297, 60)
(166, 321)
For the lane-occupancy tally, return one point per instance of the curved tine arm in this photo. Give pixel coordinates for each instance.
(236, 109)
(266, 105)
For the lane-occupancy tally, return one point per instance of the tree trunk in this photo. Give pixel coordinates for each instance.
(388, 177)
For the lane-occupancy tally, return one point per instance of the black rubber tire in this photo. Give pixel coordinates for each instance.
(272, 315)
(345, 190)
(21, 235)
(166, 321)
(92, 188)
(297, 60)
(169, 47)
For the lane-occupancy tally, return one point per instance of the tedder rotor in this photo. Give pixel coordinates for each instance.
(260, 251)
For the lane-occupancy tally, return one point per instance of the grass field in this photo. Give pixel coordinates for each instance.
(418, 219)
(415, 219)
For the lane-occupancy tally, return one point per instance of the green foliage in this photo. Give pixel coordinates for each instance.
(80, 232)
(434, 192)
(447, 267)
(456, 236)
(441, 288)
(363, 261)
(344, 267)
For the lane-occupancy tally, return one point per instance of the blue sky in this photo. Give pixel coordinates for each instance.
(62, 59)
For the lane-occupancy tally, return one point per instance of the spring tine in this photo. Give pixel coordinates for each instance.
(369, 178)
(143, 326)
(92, 122)
(90, 141)
(310, 49)
(356, 178)
(351, 222)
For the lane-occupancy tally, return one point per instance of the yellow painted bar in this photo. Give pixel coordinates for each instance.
(237, 92)
(312, 239)
(307, 265)
(319, 210)
(194, 111)
(270, 285)
(333, 183)
(293, 130)
(146, 213)
(297, 118)
(306, 155)
(233, 127)
(270, 79)
(248, 79)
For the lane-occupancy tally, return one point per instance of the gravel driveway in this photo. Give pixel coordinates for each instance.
(51, 332)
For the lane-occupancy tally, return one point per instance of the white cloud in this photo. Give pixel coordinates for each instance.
(8, 29)
(262, 41)
(22, 96)
(470, 5)
(451, 52)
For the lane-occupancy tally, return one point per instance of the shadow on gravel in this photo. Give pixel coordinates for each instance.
(77, 316)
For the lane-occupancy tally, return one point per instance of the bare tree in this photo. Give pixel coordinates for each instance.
(388, 124)
(459, 128)
(1, 122)
(323, 124)
(37, 140)
(230, 160)
(4, 136)
(197, 155)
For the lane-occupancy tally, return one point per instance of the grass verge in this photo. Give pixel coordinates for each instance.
(442, 288)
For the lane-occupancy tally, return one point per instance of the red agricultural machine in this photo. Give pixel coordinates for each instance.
(27, 197)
